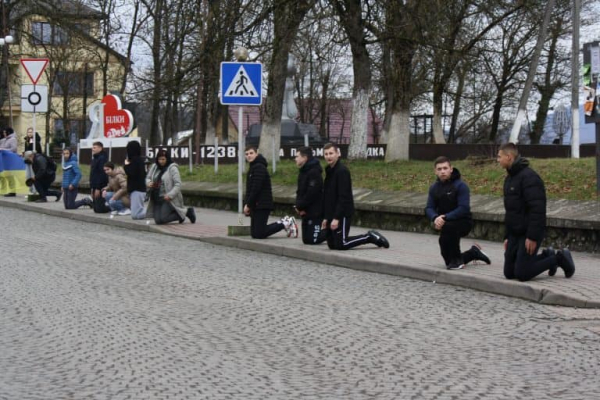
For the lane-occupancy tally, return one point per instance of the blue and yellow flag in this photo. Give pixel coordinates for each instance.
(12, 173)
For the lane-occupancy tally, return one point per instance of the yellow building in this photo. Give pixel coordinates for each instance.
(81, 68)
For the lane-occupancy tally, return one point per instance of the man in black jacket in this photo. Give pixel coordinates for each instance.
(44, 173)
(98, 178)
(338, 206)
(258, 201)
(309, 196)
(525, 221)
(449, 210)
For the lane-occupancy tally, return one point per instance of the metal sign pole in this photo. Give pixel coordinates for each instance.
(190, 152)
(216, 154)
(33, 126)
(240, 165)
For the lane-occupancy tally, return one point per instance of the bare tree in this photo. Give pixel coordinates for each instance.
(287, 17)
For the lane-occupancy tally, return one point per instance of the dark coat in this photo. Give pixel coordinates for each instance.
(259, 194)
(98, 178)
(450, 198)
(309, 195)
(524, 202)
(136, 170)
(338, 200)
(43, 168)
(29, 143)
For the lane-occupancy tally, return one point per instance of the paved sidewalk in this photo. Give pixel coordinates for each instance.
(411, 255)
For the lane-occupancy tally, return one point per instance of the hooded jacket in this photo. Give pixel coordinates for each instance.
(309, 195)
(450, 198)
(259, 194)
(338, 200)
(117, 183)
(71, 172)
(524, 201)
(10, 143)
(98, 178)
(136, 170)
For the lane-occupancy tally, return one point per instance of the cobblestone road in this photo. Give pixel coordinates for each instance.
(94, 312)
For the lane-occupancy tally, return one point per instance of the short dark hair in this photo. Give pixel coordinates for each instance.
(509, 148)
(98, 144)
(441, 160)
(330, 145)
(251, 147)
(109, 164)
(306, 151)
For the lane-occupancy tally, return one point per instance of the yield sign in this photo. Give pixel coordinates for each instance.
(34, 67)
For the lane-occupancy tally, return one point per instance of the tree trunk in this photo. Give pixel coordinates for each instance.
(287, 17)
(514, 134)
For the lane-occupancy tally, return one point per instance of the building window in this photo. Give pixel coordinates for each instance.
(74, 84)
(46, 33)
(75, 130)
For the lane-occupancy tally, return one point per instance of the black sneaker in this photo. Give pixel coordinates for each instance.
(479, 255)
(44, 200)
(548, 252)
(10, 195)
(565, 261)
(378, 239)
(455, 265)
(58, 196)
(191, 214)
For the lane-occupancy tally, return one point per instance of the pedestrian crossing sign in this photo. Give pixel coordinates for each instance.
(241, 83)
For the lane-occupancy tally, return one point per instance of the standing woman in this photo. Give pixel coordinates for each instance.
(166, 201)
(29, 140)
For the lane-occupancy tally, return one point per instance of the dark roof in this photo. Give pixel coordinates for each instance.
(57, 9)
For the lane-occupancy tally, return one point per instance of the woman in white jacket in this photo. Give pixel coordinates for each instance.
(164, 185)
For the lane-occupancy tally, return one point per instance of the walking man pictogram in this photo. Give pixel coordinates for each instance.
(241, 85)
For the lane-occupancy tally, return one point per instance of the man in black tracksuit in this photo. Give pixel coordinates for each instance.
(449, 209)
(338, 206)
(525, 221)
(309, 196)
(98, 178)
(258, 201)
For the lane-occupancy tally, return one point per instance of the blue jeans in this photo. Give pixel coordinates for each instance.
(115, 205)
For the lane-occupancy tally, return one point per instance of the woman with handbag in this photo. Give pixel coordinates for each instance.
(164, 186)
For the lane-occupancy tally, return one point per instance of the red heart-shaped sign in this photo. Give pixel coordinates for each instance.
(117, 122)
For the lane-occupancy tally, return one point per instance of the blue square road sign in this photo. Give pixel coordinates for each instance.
(241, 83)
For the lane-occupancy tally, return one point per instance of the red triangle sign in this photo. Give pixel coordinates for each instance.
(34, 67)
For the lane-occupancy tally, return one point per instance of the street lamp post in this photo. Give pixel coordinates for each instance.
(4, 42)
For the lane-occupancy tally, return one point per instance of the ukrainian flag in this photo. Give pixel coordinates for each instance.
(12, 173)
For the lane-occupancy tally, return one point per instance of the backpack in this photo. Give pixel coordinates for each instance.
(50, 165)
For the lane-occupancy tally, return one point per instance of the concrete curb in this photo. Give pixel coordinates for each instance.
(500, 286)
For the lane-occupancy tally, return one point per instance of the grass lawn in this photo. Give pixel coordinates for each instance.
(564, 178)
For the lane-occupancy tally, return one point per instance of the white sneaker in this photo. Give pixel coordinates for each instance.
(115, 212)
(293, 228)
(286, 224)
(125, 211)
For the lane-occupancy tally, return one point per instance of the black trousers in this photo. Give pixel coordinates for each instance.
(449, 241)
(340, 240)
(312, 232)
(69, 198)
(164, 212)
(522, 266)
(258, 224)
(43, 188)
